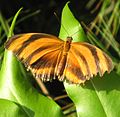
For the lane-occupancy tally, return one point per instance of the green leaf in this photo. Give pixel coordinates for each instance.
(70, 26)
(10, 109)
(15, 87)
(4, 24)
(99, 97)
(13, 23)
(118, 69)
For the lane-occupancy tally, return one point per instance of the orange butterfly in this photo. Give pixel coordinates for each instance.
(49, 57)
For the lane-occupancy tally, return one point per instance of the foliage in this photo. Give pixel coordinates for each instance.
(98, 97)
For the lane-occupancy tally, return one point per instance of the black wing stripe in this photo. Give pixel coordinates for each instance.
(38, 62)
(84, 61)
(96, 58)
(11, 40)
(48, 61)
(108, 62)
(29, 58)
(31, 39)
(77, 71)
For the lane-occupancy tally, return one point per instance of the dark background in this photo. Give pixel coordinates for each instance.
(45, 21)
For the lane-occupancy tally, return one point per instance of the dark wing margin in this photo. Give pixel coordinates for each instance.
(25, 39)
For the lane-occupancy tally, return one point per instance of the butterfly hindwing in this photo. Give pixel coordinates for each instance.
(44, 67)
(73, 71)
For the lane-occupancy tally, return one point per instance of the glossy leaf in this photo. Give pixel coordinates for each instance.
(15, 87)
(10, 109)
(99, 97)
(70, 26)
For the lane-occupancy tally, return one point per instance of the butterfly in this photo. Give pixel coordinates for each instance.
(48, 57)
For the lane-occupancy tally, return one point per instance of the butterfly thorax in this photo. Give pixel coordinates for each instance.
(67, 45)
(62, 62)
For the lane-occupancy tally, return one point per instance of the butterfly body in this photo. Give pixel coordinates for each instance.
(49, 57)
(62, 62)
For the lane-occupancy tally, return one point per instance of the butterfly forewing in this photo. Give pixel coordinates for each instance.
(39, 52)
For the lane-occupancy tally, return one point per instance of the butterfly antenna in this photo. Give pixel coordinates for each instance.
(60, 23)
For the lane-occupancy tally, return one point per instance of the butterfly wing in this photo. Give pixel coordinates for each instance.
(39, 52)
(85, 61)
